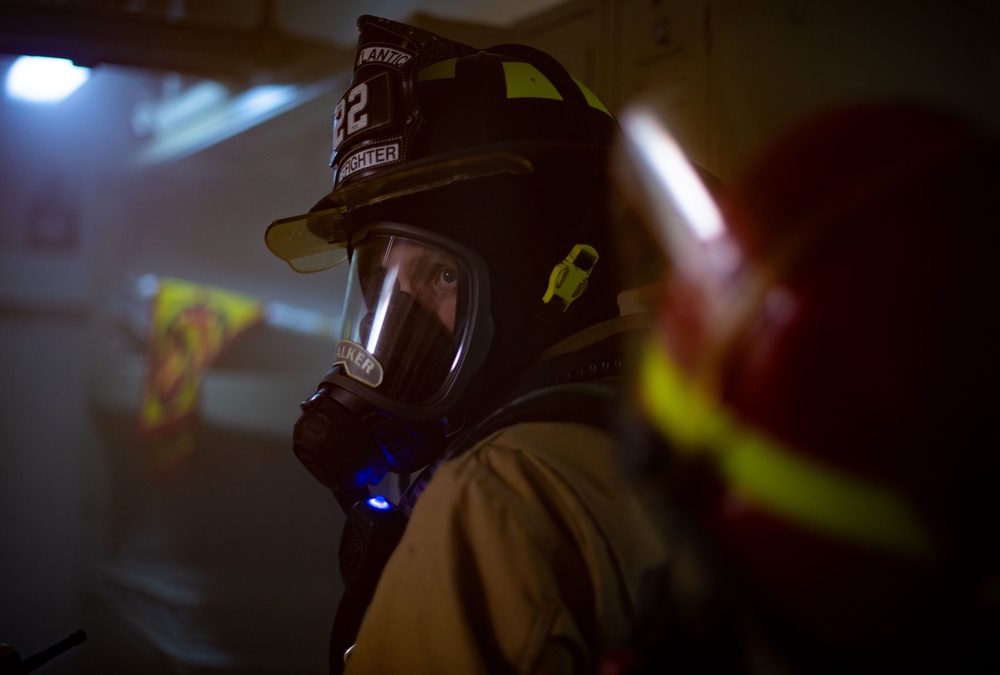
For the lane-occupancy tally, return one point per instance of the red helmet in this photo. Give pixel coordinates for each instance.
(820, 371)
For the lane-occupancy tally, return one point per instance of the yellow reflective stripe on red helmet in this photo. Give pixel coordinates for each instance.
(769, 475)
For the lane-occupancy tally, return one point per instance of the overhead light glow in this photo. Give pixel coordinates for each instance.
(41, 79)
(266, 98)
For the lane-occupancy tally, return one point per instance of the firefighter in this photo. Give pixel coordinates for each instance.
(480, 351)
(816, 397)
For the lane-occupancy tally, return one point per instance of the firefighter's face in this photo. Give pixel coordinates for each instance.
(429, 276)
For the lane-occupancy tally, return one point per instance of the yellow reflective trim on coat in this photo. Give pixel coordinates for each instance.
(769, 475)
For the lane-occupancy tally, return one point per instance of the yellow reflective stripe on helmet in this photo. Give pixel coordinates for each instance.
(526, 81)
(523, 81)
(592, 99)
(771, 476)
(442, 70)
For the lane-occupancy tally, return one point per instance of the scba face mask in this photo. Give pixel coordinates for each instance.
(415, 327)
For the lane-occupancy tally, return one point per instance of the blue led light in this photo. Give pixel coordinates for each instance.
(379, 502)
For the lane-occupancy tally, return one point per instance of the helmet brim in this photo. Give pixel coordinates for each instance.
(317, 240)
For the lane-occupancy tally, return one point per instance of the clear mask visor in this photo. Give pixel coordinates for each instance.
(405, 317)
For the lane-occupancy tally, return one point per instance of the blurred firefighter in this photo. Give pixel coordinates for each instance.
(816, 400)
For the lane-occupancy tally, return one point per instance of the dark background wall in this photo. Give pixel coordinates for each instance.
(227, 563)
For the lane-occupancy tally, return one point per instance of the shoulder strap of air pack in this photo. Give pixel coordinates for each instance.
(591, 403)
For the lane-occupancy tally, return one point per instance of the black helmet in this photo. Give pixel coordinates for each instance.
(423, 112)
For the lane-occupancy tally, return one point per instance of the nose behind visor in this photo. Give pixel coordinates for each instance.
(405, 317)
(414, 348)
